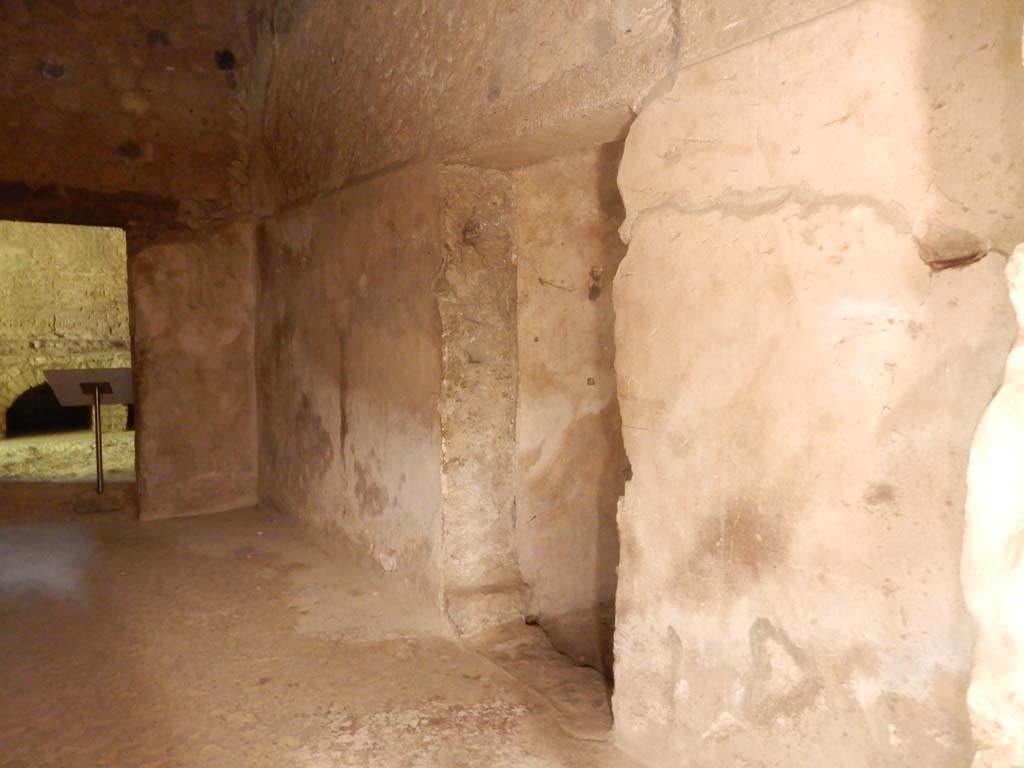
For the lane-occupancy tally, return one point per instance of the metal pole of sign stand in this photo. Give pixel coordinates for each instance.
(97, 420)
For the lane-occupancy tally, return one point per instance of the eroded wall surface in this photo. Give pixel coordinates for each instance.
(349, 347)
(571, 464)
(63, 304)
(193, 305)
(799, 387)
(476, 298)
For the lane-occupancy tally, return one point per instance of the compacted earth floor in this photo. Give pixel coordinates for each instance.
(67, 456)
(239, 640)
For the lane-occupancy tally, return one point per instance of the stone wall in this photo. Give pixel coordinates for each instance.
(356, 92)
(571, 462)
(193, 308)
(349, 349)
(800, 372)
(63, 304)
(388, 412)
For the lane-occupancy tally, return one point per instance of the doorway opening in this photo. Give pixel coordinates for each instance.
(63, 304)
(572, 464)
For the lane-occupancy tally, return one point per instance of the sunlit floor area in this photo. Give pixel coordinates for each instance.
(238, 640)
(67, 456)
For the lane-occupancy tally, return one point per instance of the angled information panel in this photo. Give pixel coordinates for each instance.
(75, 386)
(95, 387)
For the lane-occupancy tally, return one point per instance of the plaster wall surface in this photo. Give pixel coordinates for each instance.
(571, 464)
(128, 100)
(355, 88)
(193, 305)
(799, 384)
(349, 377)
(63, 303)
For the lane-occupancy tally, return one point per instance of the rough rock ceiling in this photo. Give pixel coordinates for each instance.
(138, 105)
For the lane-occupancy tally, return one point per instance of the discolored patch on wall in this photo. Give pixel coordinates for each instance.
(371, 497)
(878, 494)
(861, 660)
(342, 392)
(282, 333)
(741, 546)
(314, 438)
(783, 680)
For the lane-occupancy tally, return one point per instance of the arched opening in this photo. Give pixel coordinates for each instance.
(36, 411)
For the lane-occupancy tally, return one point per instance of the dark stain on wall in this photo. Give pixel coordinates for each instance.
(309, 428)
(733, 551)
(880, 493)
(783, 679)
(746, 540)
(342, 391)
(372, 498)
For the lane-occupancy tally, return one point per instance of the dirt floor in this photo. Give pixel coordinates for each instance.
(67, 456)
(240, 640)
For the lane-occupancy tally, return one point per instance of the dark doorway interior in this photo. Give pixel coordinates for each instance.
(37, 412)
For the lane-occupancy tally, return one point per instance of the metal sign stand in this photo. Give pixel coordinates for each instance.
(95, 387)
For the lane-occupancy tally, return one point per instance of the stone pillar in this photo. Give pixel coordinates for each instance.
(992, 570)
(195, 384)
(476, 295)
